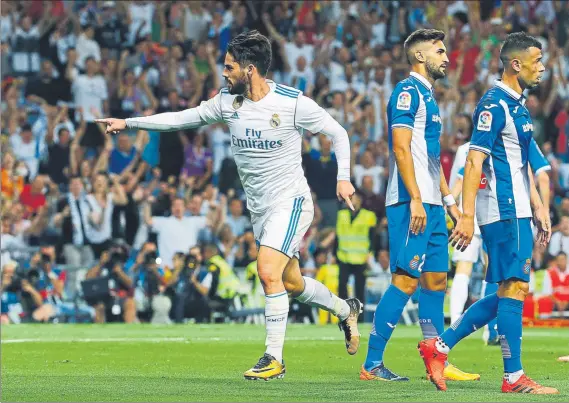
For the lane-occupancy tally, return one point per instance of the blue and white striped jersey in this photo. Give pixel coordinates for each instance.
(503, 129)
(413, 106)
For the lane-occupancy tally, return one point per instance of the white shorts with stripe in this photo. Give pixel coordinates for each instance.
(283, 226)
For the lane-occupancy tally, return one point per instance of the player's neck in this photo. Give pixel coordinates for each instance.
(421, 70)
(512, 82)
(258, 90)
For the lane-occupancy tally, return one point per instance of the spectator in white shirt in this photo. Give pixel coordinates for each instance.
(175, 233)
(196, 21)
(302, 76)
(338, 78)
(25, 48)
(28, 148)
(87, 47)
(560, 239)
(90, 93)
(367, 167)
(293, 50)
(236, 220)
(298, 48)
(141, 14)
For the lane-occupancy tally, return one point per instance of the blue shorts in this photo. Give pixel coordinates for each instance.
(424, 252)
(510, 245)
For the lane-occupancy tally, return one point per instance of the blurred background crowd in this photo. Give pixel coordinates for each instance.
(147, 226)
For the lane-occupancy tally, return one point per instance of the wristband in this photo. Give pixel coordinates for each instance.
(449, 200)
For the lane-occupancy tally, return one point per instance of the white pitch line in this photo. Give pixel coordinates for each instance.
(157, 340)
(531, 333)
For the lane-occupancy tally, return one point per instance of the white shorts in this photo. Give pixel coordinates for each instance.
(283, 226)
(471, 254)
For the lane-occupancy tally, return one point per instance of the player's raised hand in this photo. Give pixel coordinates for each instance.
(344, 191)
(113, 125)
(418, 217)
(543, 223)
(463, 232)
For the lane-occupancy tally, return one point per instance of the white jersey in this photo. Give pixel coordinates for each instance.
(266, 139)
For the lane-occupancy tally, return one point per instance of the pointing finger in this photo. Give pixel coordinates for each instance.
(349, 203)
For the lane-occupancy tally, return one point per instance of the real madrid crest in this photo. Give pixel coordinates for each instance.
(237, 102)
(275, 121)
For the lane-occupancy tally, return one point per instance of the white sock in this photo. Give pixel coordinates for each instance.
(317, 294)
(458, 295)
(441, 346)
(513, 377)
(276, 315)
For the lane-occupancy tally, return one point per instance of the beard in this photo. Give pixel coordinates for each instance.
(434, 71)
(239, 87)
(527, 84)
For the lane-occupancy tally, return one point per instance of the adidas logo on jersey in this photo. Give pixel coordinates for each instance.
(234, 116)
(437, 119)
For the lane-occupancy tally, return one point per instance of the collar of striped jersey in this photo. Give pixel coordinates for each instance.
(422, 79)
(514, 94)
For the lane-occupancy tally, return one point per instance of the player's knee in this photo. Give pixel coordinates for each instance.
(434, 281)
(269, 277)
(293, 286)
(515, 289)
(464, 268)
(405, 283)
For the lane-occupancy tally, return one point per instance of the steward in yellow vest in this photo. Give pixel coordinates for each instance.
(355, 239)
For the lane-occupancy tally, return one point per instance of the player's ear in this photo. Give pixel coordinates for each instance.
(516, 65)
(420, 56)
(250, 70)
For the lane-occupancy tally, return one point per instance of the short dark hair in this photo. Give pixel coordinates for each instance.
(252, 48)
(515, 42)
(422, 35)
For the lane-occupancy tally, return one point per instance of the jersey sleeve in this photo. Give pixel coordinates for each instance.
(312, 117)
(404, 105)
(210, 110)
(489, 121)
(537, 160)
(309, 115)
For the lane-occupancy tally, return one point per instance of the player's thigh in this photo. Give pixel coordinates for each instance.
(437, 256)
(284, 226)
(407, 251)
(509, 244)
(271, 264)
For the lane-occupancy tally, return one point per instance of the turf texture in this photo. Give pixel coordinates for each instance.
(45, 363)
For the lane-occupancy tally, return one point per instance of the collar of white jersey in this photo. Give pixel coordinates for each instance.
(510, 91)
(422, 79)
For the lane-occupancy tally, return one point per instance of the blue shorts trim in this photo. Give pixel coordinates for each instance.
(424, 252)
(510, 245)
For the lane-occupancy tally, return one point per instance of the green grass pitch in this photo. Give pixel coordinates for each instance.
(206, 362)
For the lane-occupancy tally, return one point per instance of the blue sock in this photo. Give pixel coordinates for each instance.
(431, 315)
(387, 315)
(492, 288)
(480, 313)
(510, 330)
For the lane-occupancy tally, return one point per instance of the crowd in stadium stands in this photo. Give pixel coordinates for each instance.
(161, 217)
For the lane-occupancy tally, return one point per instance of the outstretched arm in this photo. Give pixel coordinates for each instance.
(310, 116)
(206, 113)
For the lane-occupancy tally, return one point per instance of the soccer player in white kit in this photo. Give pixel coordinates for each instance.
(266, 121)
